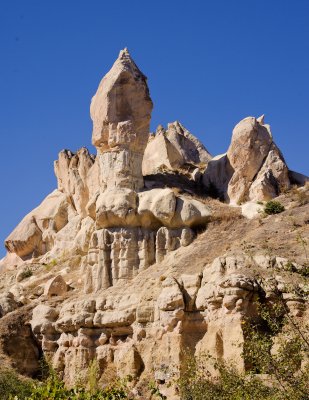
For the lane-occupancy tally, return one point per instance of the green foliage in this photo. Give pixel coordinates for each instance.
(51, 264)
(154, 390)
(276, 355)
(197, 382)
(26, 273)
(11, 385)
(52, 388)
(273, 207)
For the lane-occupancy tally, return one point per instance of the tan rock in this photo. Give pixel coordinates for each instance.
(272, 178)
(171, 297)
(7, 303)
(253, 167)
(55, 287)
(249, 147)
(160, 153)
(191, 149)
(35, 233)
(10, 262)
(121, 110)
(77, 176)
(173, 148)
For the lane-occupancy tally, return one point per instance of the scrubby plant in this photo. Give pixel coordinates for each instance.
(52, 388)
(12, 385)
(273, 207)
(26, 273)
(276, 355)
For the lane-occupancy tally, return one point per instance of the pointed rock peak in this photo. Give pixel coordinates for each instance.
(122, 97)
(187, 144)
(260, 120)
(125, 62)
(176, 125)
(160, 130)
(124, 54)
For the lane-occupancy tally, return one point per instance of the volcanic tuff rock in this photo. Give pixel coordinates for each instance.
(121, 112)
(173, 148)
(101, 206)
(118, 270)
(253, 167)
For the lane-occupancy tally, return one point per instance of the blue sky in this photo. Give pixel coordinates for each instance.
(209, 64)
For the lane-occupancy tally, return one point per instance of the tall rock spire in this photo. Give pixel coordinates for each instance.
(121, 112)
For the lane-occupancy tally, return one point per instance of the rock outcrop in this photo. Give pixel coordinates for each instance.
(172, 149)
(121, 112)
(132, 275)
(101, 210)
(146, 330)
(253, 167)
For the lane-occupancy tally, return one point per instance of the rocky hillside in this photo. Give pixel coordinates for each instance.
(152, 247)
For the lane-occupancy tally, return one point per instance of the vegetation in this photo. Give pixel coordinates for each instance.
(12, 387)
(273, 207)
(276, 358)
(26, 273)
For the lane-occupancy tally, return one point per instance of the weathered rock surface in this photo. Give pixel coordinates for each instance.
(148, 329)
(36, 232)
(106, 191)
(78, 177)
(122, 273)
(173, 148)
(121, 111)
(253, 167)
(55, 287)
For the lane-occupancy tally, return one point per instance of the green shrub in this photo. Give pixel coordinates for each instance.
(273, 207)
(276, 346)
(11, 385)
(54, 389)
(26, 273)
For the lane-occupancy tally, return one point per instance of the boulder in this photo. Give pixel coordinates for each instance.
(7, 303)
(55, 287)
(160, 154)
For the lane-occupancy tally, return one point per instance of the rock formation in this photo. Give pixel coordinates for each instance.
(101, 209)
(253, 167)
(173, 148)
(133, 275)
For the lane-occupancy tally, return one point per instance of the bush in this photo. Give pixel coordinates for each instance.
(11, 385)
(52, 388)
(276, 347)
(273, 207)
(197, 382)
(26, 273)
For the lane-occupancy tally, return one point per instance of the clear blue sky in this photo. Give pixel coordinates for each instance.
(209, 64)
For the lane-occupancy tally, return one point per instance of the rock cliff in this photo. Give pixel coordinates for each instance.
(117, 267)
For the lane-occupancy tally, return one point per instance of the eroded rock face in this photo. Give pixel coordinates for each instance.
(36, 232)
(253, 167)
(78, 176)
(119, 254)
(105, 193)
(121, 111)
(146, 329)
(126, 303)
(173, 148)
